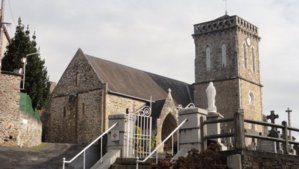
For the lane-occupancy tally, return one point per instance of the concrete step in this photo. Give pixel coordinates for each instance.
(130, 163)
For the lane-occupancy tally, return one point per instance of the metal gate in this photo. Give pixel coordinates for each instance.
(140, 132)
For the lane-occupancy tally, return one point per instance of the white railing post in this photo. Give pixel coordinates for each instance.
(89, 145)
(63, 163)
(137, 162)
(172, 151)
(178, 141)
(84, 160)
(101, 150)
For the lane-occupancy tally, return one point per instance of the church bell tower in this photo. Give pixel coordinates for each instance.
(227, 54)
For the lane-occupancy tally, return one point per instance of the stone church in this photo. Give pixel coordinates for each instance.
(91, 88)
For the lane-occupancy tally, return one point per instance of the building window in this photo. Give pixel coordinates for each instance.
(251, 98)
(253, 59)
(77, 79)
(83, 108)
(64, 111)
(244, 55)
(208, 58)
(223, 55)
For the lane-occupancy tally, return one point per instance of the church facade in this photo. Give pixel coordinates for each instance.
(91, 88)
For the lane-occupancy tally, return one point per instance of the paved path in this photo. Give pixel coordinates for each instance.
(46, 156)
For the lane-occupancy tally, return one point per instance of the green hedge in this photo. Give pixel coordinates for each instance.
(26, 106)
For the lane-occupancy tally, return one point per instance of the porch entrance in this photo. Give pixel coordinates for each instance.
(168, 126)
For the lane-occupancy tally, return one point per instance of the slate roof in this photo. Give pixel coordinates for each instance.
(137, 83)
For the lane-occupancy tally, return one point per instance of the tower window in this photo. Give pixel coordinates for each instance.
(64, 111)
(253, 59)
(208, 58)
(251, 98)
(223, 54)
(77, 79)
(83, 108)
(244, 55)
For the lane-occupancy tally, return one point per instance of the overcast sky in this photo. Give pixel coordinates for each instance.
(155, 35)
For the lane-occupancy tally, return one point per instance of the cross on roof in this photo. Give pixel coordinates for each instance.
(225, 1)
(288, 110)
(272, 117)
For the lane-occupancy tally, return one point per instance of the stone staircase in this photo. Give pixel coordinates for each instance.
(130, 163)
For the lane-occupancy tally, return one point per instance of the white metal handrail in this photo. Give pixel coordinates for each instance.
(84, 150)
(170, 135)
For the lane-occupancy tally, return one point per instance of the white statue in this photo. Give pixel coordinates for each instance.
(211, 94)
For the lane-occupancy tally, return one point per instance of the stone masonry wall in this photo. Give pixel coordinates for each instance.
(30, 131)
(227, 101)
(247, 72)
(252, 106)
(16, 128)
(9, 108)
(89, 125)
(75, 108)
(258, 160)
(76, 119)
(215, 42)
(118, 104)
(62, 122)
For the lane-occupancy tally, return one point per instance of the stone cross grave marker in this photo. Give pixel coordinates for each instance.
(270, 146)
(273, 132)
(272, 117)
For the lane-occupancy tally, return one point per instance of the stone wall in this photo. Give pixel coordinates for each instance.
(9, 108)
(76, 107)
(251, 103)
(30, 131)
(116, 104)
(90, 116)
(79, 77)
(247, 72)
(258, 160)
(62, 122)
(214, 42)
(16, 128)
(227, 97)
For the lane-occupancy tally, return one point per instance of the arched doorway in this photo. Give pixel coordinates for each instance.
(169, 124)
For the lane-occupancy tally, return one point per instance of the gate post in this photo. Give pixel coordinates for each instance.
(118, 138)
(190, 132)
(239, 130)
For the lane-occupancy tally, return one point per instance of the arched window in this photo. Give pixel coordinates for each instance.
(244, 55)
(251, 98)
(208, 58)
(253, 59)
(64, 111)
(83, 109)
(77, 79)
(223, 55)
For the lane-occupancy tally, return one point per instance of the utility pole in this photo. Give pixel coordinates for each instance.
(1, 29)
(3, 32)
